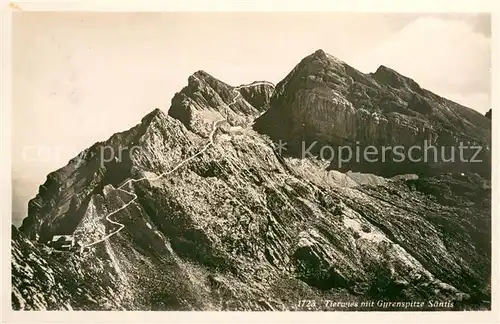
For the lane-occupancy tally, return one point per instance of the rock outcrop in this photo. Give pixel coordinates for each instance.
(325, 100)
(201, 212)
(206, 99)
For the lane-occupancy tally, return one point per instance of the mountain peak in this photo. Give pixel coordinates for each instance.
(383, 68)
(325, 98)
(201, 74)
(185, 203)
(386, 72)
(322, 56)
(319, 53)
(206, 98)
(388, 76)
(156, 113)
(200, 79)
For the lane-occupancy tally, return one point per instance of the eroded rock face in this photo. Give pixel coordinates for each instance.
(206, 99)
(325, 100)
(216, 219)
(152, 144)
(258, 95)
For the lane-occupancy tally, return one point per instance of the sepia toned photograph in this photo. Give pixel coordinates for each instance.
(251, 161)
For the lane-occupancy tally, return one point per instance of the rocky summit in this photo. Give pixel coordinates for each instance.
(325, 100)
(202, 210)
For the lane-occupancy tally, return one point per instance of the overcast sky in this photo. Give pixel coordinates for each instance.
(80, 77)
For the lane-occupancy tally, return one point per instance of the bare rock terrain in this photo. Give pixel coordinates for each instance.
(215, 218)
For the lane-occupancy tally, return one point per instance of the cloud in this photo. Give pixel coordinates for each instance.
(442, 55)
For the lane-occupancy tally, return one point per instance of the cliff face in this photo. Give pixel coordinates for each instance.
(201, 212)
(205, 99)
(323, 99)
(70, 189)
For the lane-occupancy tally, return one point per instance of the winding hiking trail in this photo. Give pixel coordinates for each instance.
(210, 143)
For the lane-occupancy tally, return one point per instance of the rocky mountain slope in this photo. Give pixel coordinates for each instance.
(324, 99)
(200, 211)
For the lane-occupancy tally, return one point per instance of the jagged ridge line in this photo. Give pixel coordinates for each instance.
(211, 142)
